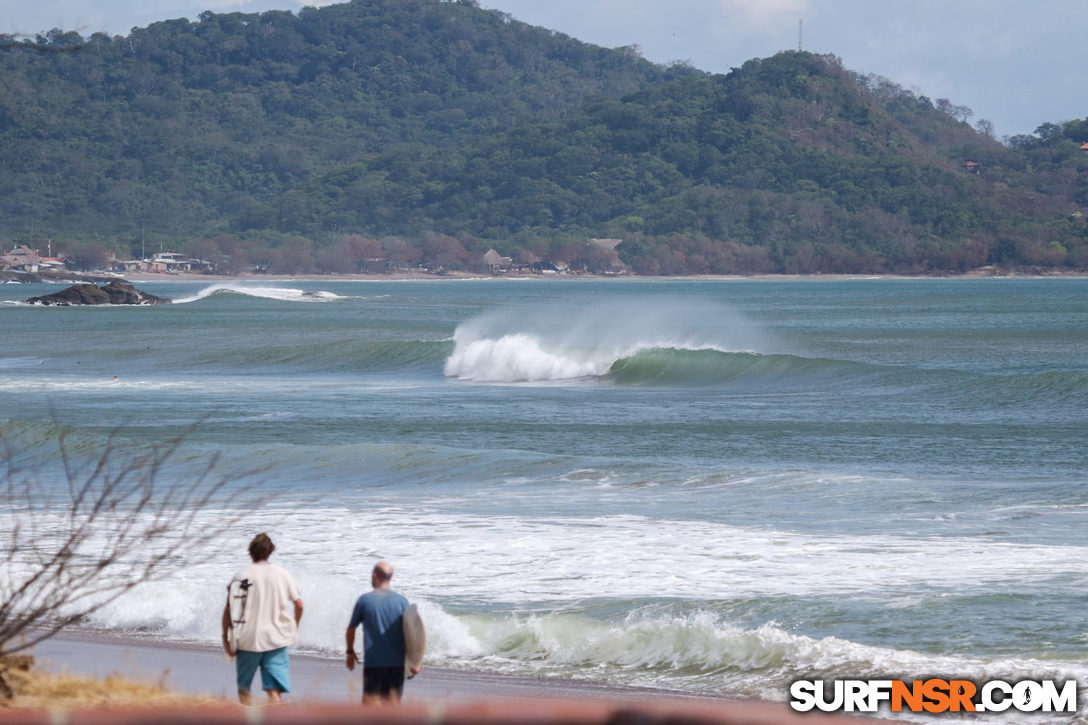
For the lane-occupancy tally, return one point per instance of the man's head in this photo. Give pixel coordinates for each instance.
(382, 575)
(261, 547)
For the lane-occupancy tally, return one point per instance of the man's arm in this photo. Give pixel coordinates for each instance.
(351, 658)
(226, 628)
(298, 611)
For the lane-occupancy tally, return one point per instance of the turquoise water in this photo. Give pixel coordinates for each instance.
(713, 486)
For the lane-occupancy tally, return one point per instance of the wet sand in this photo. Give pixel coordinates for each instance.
(202, 670)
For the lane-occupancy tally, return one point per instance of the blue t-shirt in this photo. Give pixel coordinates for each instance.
(381, 613)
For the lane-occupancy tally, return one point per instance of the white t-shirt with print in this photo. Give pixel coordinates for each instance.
(269, 613)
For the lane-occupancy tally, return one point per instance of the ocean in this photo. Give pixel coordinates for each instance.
(716, 487)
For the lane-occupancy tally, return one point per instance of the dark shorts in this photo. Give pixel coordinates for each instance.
(382, 680)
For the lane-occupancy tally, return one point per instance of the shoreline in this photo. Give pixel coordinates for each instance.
(322, 690)
(146, 277)
(200, 669)
(249, 277)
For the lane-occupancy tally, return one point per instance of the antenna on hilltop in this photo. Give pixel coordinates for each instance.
(800, 34)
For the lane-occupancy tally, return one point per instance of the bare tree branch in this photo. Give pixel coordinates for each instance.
(115, 521)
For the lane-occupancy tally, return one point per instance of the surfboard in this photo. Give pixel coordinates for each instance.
(415, 639)
(237, 595)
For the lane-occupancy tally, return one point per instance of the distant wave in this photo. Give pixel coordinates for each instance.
(628, 341)
(669, 366)
(286, 294)
(1016, 391)
(524, 358)
(347, 355)
(340, 356)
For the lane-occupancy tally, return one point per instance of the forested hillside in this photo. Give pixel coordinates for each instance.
(184, 129)
(419, 131)
(790, 164)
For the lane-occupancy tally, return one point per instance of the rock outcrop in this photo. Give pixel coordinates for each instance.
(114, 293)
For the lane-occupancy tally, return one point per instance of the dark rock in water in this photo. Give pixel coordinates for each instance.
(114, 293)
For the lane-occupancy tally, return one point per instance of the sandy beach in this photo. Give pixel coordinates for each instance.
(206, 671)
(322, 690)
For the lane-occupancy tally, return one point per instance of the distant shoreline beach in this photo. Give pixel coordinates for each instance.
(145, 277)
(402, 276)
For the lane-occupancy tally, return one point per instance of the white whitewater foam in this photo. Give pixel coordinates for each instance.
(562, 342)
(518, 358)
(45, 384)
(286, 294)
(518, 561)
(698, 651)
(702, 652)
(471, 574)
(195, 385)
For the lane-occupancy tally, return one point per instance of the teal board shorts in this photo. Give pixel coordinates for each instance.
(274, 669)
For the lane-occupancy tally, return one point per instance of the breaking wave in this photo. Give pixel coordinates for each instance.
(285, 294)
(684, 647)
(629, 342)
(521, 358)
(697, 651)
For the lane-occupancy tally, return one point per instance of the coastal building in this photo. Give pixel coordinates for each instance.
(169, 263)
(495, 262)
(22, 259)
(605, 256)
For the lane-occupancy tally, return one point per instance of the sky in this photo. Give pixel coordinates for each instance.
(1015, 63)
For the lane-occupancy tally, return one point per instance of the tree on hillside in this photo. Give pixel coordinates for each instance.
(86, 256)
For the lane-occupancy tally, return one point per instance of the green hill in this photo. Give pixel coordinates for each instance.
(790, 164)
(419, 131)
(182, 127)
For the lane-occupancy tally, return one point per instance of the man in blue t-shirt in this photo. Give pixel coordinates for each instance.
(381, 613)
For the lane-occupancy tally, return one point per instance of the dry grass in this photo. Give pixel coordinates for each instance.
(33, 689)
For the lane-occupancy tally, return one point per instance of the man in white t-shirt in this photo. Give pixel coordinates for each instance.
(263, 610)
